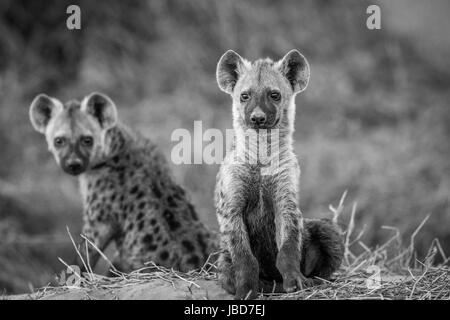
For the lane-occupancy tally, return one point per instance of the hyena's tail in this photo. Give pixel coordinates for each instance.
(323, 248)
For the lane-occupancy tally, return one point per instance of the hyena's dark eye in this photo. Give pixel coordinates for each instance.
(87, 141)
(245, 97)
(59, 142)
(275, 95)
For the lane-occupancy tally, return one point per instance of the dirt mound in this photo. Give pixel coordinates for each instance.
(156, 289)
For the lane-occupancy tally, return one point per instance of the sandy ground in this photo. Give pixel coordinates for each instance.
(157, 289)
(430, 284)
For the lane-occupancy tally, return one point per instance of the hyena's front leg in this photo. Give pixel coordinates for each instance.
(289, 226)
(226, 272)
(244, 265)
(239, 266)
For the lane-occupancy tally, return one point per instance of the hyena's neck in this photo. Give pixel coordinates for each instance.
(115, 142)
(115, 139)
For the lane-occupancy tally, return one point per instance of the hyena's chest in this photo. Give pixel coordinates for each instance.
(260, 222)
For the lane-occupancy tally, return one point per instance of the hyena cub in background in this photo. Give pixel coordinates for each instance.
(128, 193)
(263, 235)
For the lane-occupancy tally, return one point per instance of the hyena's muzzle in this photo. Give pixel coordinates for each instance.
(73, 161)
(261, 112)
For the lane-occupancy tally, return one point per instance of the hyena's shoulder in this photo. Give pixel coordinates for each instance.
(131, 150)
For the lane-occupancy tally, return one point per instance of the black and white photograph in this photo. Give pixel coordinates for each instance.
(225, 150)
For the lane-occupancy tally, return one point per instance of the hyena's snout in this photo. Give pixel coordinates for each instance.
(74, 165)
(261, 114)
(258, 117)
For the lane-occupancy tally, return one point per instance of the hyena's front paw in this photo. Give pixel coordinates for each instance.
(247, 281)
(226, 273)
(289, 266)
(295, 280)
(247, 289)
(226, 280)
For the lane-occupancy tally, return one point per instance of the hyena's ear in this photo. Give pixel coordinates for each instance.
(295, 68)
(42, 109)
(102, 108)
(229, 67)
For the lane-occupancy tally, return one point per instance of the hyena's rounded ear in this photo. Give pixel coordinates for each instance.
(102, 108)
(295, 68)
(42, 109)
(229, 67)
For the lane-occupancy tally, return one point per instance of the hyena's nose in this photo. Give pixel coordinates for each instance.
(258, 118)
(74, 166)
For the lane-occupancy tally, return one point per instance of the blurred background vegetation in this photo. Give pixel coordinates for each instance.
(375, 119)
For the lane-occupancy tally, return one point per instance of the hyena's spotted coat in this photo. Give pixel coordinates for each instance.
(128, 193)
(263, 234)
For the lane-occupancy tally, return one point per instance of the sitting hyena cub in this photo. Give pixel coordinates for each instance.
(128, 193)
(263, 235)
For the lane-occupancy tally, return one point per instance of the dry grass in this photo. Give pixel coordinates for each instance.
(401, 274)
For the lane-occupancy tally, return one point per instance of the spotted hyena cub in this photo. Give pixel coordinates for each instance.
(263, 235)
(128, 193)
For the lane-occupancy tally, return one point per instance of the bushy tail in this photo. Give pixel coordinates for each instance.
(323, 248)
